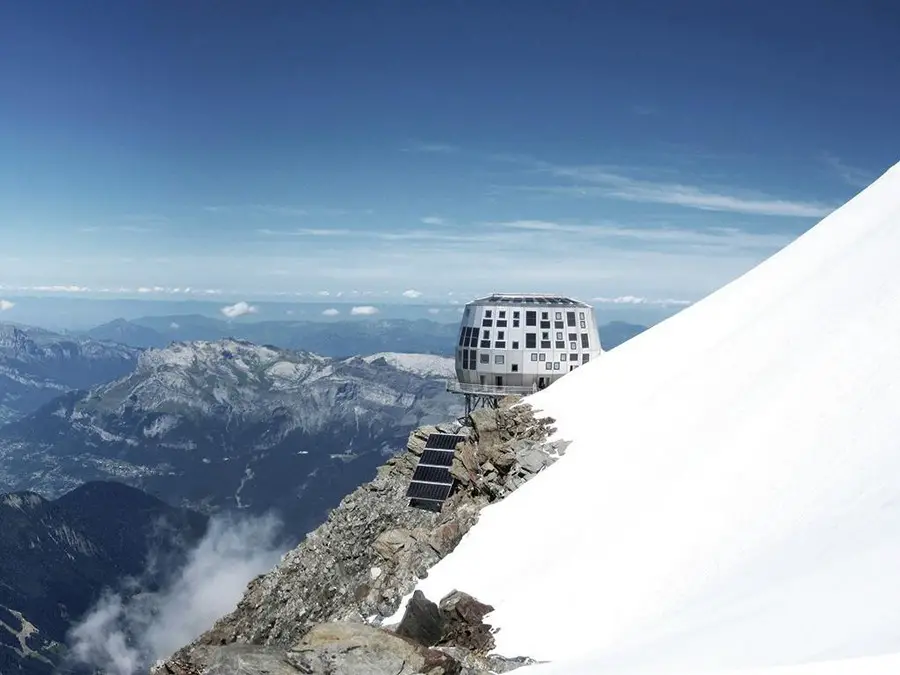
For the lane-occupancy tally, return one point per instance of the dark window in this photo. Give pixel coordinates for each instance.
(465, 359)
(515, 344)
(560, 344)
(530, 318)
(501, 334)
(514, 367)
(545, 335)
(487, 313)
(485, 358)
(570, 317)
(516, 315)
(573, 357)
(545, 316)
(584, 341)
(573, 337)
(502, 314)
(500, 344)
(585, 358)
(530, 340)
(534, 357)
(485, 334)
(485, 344)
(463, 336)
(558, 324)
(487, 322)
(545, 324)
(501, 323)
(545, 344)
(515, 323)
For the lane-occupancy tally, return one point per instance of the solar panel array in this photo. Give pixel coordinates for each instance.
(431, 482)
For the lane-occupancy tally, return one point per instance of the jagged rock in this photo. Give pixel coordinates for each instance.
(358, 649)
(463, 623)
(476, 664)
(423, 621)
(241, 659)
(373, 548)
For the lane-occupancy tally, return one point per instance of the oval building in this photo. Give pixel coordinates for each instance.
(519, 343)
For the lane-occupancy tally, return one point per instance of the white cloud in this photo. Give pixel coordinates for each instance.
(364, 310)
(437, 148)
(174, 326)
(331, 311)
(238, 309)
(853, 176)
(434, 310)
(637, 300)
(306, 232)
(591, 181)
(412, 294)
(124, 633)
(434, 220)
(6, 305)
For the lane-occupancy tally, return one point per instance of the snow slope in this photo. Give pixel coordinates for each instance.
(426, 365)
(731, 498)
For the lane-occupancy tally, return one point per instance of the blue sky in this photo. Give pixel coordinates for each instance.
(638, 152)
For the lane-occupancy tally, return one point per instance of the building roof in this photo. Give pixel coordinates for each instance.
(528, 299)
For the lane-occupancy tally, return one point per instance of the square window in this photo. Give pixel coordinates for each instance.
(573, 337)
(514, 367)
(485, 358)
(556, 366)
(545, 335)
(515, 344)
(545, 316)
(515, 323)
(499, 359)
(549, 366)
(573, 357)
(542, 357)
(502, 314)
(534, 357)
(516, 314)
(487, 313)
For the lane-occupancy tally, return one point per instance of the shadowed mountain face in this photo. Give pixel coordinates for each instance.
(36, 366)
(229, 425)
(56, 557)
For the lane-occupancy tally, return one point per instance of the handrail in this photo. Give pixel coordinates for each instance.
(457, 387)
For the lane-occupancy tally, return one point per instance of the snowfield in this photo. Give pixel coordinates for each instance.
(731, 498)
(426, 365)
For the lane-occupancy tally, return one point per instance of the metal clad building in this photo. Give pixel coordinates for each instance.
(523, 342)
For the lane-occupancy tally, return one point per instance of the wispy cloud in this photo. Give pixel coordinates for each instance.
(238, 309)
(434, 220)
(287, 210)
(6, 305)
(599, 181)
(331, 311)
(637, 300)
(853, 176)
(305, 232)
(364, 310)
(440, 148)
(412, 294)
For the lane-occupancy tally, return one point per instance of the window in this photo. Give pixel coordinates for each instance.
(501, 334)
(516, 314)
(515, 323)
(558, 316)
(560, 344)
(585, 358)
(545, 316)
(549, 366)
(499, 345)
(514, 367)
(542, 357)
(485, 344)
(534, 356)
(501, 323)
(545, 335)
(573, 346)
(573, 357)
(556, 366)
(463, 335)
(562, 357)
(530, 340)
(531, 318)
(465, 359)
(583, 325)
(499, 359)
(573, 337)
(487, 313)
(485, 334)
(559, 324)
(487, 322)
(545, 324)
(584, 341)
(502, 314)
(581, 315)
(559, 335)
(485, 358)
(570, 318)
(545, 344)
(515, 344)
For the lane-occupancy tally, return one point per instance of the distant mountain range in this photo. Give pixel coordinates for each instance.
(57, 556)
(36, 366)
(337, 339)
(232, 425)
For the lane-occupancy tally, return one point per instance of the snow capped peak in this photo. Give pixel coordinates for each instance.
(731, 496)
(426, 365)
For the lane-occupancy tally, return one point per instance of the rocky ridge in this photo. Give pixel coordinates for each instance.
(328, 597)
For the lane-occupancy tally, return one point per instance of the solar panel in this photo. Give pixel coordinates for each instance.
(433, 474)
(436, 458)
(443, 441)
(429, 491)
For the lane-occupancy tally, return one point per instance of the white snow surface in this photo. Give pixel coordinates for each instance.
(426, 365)
(731, 497)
